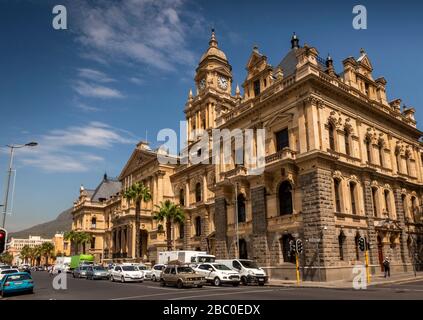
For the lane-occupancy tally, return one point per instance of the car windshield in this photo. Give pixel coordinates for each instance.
(249, 264)
(18, 277)
(142, 268)
(9, 271)
(221, 267)
(185, 270)
(206, 259)
(129, 268)
(99, 269)
(83, 268)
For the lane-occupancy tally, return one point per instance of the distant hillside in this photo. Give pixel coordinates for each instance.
(47, 230)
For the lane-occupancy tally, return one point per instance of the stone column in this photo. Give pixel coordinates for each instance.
(205, 230)
(371, 231)
(312, 124)
(318, 212)
(187, 232)
(405, 257)
(259, 236)
(221, 226)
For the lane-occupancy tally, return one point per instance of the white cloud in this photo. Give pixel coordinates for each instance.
(74, 149)
(151, 33)
(94, 75)
(136, 80)
(96, 91)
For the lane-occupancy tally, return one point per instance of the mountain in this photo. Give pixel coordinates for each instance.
(47, 230)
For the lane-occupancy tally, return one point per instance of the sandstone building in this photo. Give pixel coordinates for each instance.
(342, 162)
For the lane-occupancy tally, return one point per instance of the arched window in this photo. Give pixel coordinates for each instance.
(347, 142)
(198, 192)
(181, 230)
(381, 154)
(93, 223)
(353, 197)
(337, 186)
(243, 251)
(341, 241)
(198, 226)
(368, 150)
(387, 205)
(288, 256)
(285, 198)
(241, 208)
(374, 202)
(331, 136)
(182, 197)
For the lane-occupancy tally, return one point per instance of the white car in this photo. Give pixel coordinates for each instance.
(126, 273)
(156, 272)
(146, 270)
(4, 272)
(249, 271)
(218, 274)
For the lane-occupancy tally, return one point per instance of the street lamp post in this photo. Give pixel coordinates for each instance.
(6, 196)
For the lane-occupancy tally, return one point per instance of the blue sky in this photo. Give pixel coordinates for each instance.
(89, 93)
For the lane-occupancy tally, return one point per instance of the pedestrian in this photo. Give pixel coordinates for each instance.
(387, 267)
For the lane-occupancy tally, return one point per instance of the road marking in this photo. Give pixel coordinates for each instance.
(221, 294)
(179, 291)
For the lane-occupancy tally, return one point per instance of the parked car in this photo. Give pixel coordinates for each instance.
(181, 275)
(5, 267)
(249, 271)
(146, 271)
(16, 282)
(156, 272)
(4, 272)
(217, 274)
(97, 272)
(126, 273)
(25, 268)
(80, 272)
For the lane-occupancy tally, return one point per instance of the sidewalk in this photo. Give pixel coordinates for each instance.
(347, 284)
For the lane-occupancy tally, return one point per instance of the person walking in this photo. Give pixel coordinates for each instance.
(387, 267)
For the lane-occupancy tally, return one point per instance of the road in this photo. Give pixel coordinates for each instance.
(81, 289)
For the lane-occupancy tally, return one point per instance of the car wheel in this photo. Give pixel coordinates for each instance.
(3, 294)
(180, 284)
(200, 286)
(244, 281)
(122, 279)
(261, 284)
(31, 291)
(216, 282)
(162, 283)
(236, 284)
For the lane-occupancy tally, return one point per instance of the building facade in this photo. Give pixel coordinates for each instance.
(15, 246)
(341, 162)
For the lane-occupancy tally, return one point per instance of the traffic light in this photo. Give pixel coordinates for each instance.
(361, 243)
(299, 245)
(292, 248)
(3, 239)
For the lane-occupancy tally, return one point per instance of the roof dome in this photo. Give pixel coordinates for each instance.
(213, 49)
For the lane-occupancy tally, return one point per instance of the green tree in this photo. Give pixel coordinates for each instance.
(38, 253)
(170, 213)
(137, 193)
(47, 250)
(6, 258)
(77, 238)
(26, 254)
(83, 239)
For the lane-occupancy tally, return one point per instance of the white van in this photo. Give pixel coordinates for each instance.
(249, 271)
(186, 256)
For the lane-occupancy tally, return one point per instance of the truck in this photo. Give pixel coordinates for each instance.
(81, 259)
(189, 257)
(62, 264)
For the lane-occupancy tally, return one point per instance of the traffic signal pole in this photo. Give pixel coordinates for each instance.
(297, 267)
(367, 266)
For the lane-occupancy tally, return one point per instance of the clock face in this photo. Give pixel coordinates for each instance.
(222, 82)
(202, 83)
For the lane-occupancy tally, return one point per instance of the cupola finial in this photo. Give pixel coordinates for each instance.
(213, 41)
(295, 42)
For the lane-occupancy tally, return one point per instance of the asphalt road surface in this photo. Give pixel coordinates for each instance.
(82, 289)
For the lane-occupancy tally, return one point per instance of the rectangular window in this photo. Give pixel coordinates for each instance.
(93, 243)
(352, 194)
(256, 87)
(374, 195)
(337, 196)
(282, 139)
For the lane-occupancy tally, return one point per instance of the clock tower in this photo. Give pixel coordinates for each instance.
(214, 86)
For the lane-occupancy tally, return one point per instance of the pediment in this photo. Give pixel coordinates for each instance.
(137, 160)
(256, 61)
(278, 117)
(365, 62)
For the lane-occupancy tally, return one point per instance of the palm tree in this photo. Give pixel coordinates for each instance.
(47, 249)
(73, 237)
(170, 213)
(137, 193)
(84, 238)
(37, 252)
(25, 253)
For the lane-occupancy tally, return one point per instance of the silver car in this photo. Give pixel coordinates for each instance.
(80, 272)
(97, 272)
